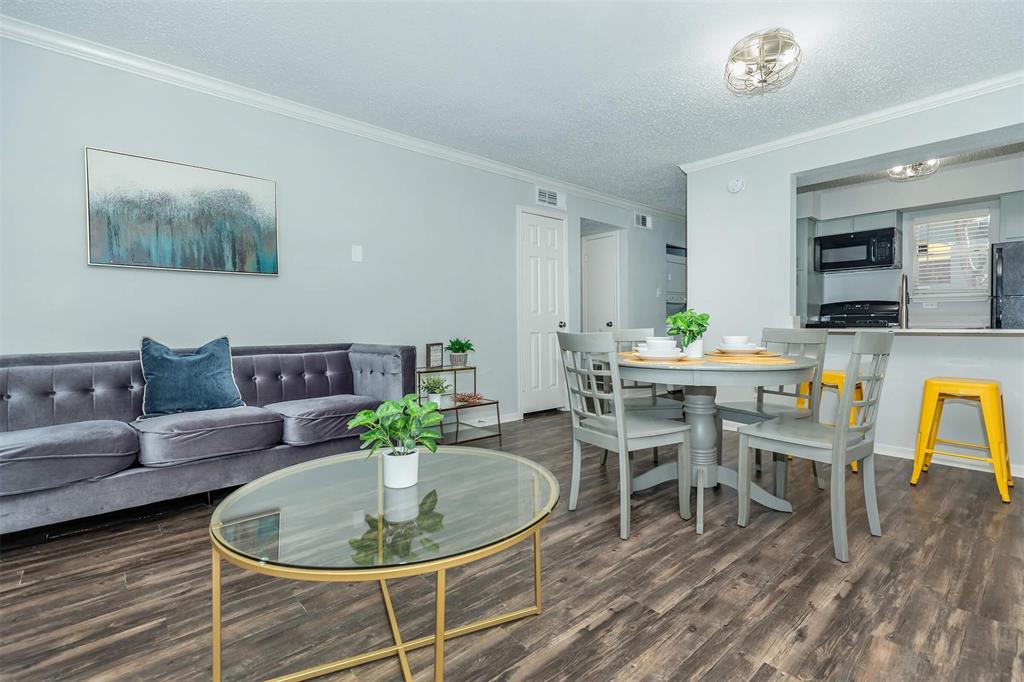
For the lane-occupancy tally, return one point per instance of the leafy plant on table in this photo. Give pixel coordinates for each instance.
(399, 426)
(458, 345)
(689, 324)
(434, 384)
(395, 539)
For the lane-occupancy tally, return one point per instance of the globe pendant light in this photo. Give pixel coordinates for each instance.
(762, 62)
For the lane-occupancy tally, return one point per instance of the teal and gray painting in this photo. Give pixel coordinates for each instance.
(150, 213)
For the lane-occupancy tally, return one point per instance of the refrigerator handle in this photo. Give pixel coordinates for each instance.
(997, 271)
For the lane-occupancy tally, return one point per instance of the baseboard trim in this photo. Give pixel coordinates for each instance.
(1016, 470)
(491, 420)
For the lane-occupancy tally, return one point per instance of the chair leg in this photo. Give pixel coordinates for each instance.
(743, 482)
(992, 414)
(683, 474)
(701, 478)
(655, 456)
(929, 402)
(604, 459)
(625, 486)
(1006, 446)
(840, 542)
(867, 472)
(574, 486)
(757, 461)
(780, 474)
(819, 480)
(934, 434)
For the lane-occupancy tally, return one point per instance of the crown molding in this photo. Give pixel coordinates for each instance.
(1010, 80)
(73, 46)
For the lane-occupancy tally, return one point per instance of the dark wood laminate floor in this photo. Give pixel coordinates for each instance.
(939, 596)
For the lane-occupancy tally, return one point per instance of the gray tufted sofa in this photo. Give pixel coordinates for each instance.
(70, 445)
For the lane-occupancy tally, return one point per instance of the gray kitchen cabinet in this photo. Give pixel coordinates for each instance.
(1011, 216)
(834, 226)
(809, 284)
(875, 221)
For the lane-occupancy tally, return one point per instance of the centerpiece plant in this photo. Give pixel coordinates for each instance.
(690, 327)
(398, 427)
(459, 350)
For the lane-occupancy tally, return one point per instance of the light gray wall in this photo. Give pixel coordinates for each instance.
(438, 237)
(757, 287)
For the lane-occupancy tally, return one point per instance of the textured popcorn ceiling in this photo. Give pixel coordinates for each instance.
(606, 95)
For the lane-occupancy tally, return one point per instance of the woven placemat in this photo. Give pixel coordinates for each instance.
(750, 360)
(632, 359)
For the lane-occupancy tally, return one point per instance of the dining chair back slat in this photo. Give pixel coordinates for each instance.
(808, 343)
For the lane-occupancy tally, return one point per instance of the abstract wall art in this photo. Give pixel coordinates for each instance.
(149, 213)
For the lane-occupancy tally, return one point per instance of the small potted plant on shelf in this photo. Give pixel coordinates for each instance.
(689, 326)
(434, 386)
(459, 350)
(396, 428)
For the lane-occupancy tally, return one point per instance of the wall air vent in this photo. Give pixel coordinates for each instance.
(550, 197)
(643, 220)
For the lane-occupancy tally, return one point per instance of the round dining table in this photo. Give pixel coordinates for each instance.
(700, 381)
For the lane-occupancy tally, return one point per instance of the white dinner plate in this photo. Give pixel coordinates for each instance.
(741, 350)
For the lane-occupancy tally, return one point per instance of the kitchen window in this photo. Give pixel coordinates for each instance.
(950, 256)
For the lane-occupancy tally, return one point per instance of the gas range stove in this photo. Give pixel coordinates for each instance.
(843, 314)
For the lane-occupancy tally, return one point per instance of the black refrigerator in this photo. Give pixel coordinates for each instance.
(1008, 285)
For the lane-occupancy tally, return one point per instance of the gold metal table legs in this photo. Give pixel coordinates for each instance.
(400, 648)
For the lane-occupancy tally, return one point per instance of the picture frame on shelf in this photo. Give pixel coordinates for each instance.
(435, 355)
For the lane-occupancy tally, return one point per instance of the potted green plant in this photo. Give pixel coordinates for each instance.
(433, 387)
(396, 428)
(459, 350)
(689, 326)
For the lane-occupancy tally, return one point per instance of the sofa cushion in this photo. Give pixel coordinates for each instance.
(315, 420)
(52, 456)
(187, 382)
(189, 436)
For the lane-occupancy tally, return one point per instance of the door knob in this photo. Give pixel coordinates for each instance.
(607, 324)
(561, 325)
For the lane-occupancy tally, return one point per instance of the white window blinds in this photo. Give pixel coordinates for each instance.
(951, 257)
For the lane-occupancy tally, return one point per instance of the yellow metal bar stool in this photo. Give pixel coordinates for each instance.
(986, 393)
(834, 379)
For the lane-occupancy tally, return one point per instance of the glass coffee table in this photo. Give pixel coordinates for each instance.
(332, 520)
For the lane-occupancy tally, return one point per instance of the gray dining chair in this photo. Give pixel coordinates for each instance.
(591, 365)
(809, 343)
(836, 445)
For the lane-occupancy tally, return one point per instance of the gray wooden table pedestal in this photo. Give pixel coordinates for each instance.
(700, 384)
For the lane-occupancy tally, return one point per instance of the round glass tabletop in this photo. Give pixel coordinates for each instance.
(335, 513)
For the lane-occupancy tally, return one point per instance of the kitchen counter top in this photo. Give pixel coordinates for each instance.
(938, 332)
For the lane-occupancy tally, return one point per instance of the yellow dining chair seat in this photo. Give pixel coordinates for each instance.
(986, 393)
(834, 379)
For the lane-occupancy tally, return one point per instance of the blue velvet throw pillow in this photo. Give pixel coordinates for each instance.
(187, 382)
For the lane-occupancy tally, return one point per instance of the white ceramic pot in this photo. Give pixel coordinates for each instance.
(434, 398)
(695, 351)
(401, 504)
(401, 471)
(458, 359)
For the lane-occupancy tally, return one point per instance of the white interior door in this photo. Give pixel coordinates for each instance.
(600, 285)
(542, 310)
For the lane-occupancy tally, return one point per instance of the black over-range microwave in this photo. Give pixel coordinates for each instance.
(867, 250)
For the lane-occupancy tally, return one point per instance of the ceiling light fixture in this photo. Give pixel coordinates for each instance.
(913, 171)
(762, 62)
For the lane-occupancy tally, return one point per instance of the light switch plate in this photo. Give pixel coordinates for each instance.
(357, 253)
